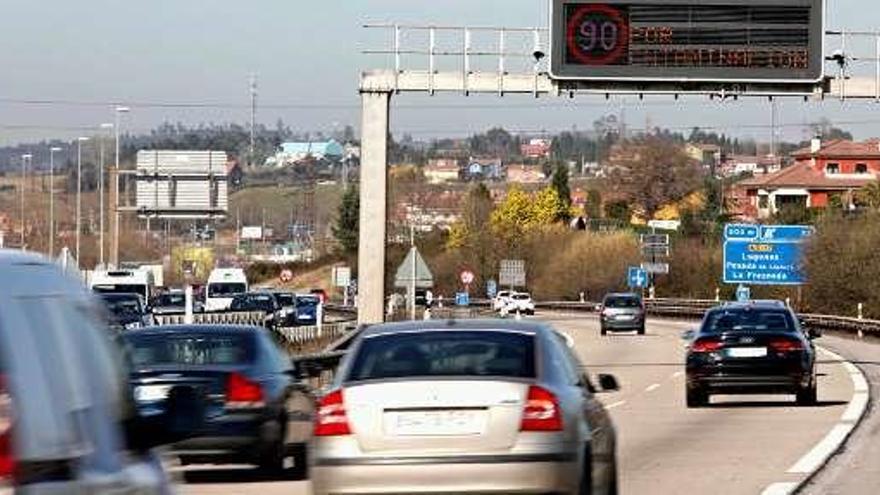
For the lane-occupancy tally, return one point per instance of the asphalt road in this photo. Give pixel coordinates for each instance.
(736, 446)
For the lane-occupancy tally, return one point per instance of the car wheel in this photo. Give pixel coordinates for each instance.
(807, 396)
(641, 330)
(530, 312)
(604, 330)
(586, 483)
(272, 458)
(697, 398)
(300, 462)
(613, 484)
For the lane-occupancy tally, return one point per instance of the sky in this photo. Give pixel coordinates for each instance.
(189, 61)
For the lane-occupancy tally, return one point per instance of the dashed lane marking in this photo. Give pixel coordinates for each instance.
(653, 387)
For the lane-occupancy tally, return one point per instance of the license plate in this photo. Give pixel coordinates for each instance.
(435, 423)
(625, 317)
(151, 393)
(746, 352)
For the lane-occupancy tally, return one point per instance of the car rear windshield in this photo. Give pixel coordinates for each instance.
(189, 349)
(521, 297)
(622, 302)
(171, 300)
(307, 300)
(123, 303)
(445, 353)
(748, 320)
(226, 289)
(285, 299)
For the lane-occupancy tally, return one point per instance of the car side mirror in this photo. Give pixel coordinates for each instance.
(688, 335)
(608, 383)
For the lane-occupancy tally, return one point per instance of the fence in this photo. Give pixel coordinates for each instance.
(257, 318)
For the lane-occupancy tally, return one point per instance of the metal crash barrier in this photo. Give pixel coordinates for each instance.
(257, 318)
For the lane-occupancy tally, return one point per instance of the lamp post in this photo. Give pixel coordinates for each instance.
(52, 152)
(24, 163)
(101, 187)
(79, 143)
(114, 255)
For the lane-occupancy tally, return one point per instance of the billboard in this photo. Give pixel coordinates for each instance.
(181, 184)
(764, 254)
(778, 41)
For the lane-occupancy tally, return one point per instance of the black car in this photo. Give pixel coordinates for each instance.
(170, 303)
(287, 301)
(307, 309)
(256, 410)
(127, 311)
(624, 311)
(751, 348)
(259, 301)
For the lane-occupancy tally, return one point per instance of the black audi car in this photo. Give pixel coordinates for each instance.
(257, 411)
(751, 348)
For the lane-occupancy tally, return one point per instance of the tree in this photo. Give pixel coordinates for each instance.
(549, 207)
(514, 217)
(870, 196)
(618, 210)
(563, 190)
(348, 221)
(653, 172)
(593, 207)
(475, 242)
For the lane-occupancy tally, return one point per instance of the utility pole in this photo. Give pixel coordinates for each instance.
(24, 163)
(78, 222)
(101, 189)
(52, 152)
(253, 87)
(773, 124)
(412, 283)
(114, 254)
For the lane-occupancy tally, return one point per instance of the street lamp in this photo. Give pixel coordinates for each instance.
(101, 192)
(24, 162)
(114, 257)
(79, 143)
(52, 152)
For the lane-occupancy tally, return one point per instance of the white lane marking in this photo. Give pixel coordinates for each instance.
(615, 404)
(653, 387)
(677, 374)
(856, 407)
(833, 355)
(823, 450)
(859, 382)
(851, 368)
(780, 489)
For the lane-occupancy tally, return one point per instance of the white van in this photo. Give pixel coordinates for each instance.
(223, 285)
(138, 282)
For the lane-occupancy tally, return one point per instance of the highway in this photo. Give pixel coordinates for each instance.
(738, 445)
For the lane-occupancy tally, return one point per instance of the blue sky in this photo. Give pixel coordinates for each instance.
(307, 54)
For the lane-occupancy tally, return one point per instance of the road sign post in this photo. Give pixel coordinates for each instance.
(513, 274)
(636, 278)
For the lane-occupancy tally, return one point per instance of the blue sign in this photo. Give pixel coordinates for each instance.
(636, 277)
(491, 289)
(765, 254)
(743, 294)
(462, 299)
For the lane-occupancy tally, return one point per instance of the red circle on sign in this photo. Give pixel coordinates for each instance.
(467, 277)
(622, 34)
(286, 275)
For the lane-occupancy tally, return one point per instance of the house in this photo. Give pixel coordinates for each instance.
(293, 152)
(755, 165)
(820, 173)
(440, 170)
(479, 169)
(705, 154)
(525, 174)
(536, 148)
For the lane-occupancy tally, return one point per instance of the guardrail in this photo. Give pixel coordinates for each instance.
(222, 318)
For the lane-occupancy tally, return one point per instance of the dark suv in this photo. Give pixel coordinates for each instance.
(622, 312)
(751, 348)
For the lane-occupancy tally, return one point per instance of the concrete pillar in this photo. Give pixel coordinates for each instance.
(373, 208)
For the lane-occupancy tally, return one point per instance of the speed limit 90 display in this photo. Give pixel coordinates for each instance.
(688, 39)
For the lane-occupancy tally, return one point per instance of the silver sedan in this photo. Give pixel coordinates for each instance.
(463, 407)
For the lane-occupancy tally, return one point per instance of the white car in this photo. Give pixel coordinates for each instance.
(501, 300)
(520, 302)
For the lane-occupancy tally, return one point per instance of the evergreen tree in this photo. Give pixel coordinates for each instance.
(347, 222)
(563, 190)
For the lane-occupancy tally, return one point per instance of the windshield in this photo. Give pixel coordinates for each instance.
(120, 289)
(442, 353)
(521, 297)
(285, 299)
(622, 302)
(748, 320)
(189, 349)
(170, 300)
(306, 301)
(226, 289)
(123, 304)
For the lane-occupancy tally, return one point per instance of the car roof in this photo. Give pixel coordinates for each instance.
(464, 325)
(623, 294)
(184, 329)
(10, 257)
(757, 304)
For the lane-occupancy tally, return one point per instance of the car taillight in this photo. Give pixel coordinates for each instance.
(786, 345)
(541, 412)
(7, 457)
(331, 419)
(707, 345)
(242, 392)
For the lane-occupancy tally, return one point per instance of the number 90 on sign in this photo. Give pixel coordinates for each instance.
(596, 35)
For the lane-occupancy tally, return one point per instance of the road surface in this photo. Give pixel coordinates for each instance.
(736, 446)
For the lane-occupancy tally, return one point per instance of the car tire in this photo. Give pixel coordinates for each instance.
(300, 456)
(807, 396)
(271, 461)
(585, 486)
(641, 330)
(604, 330)
(696, 398)
(613, 485)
